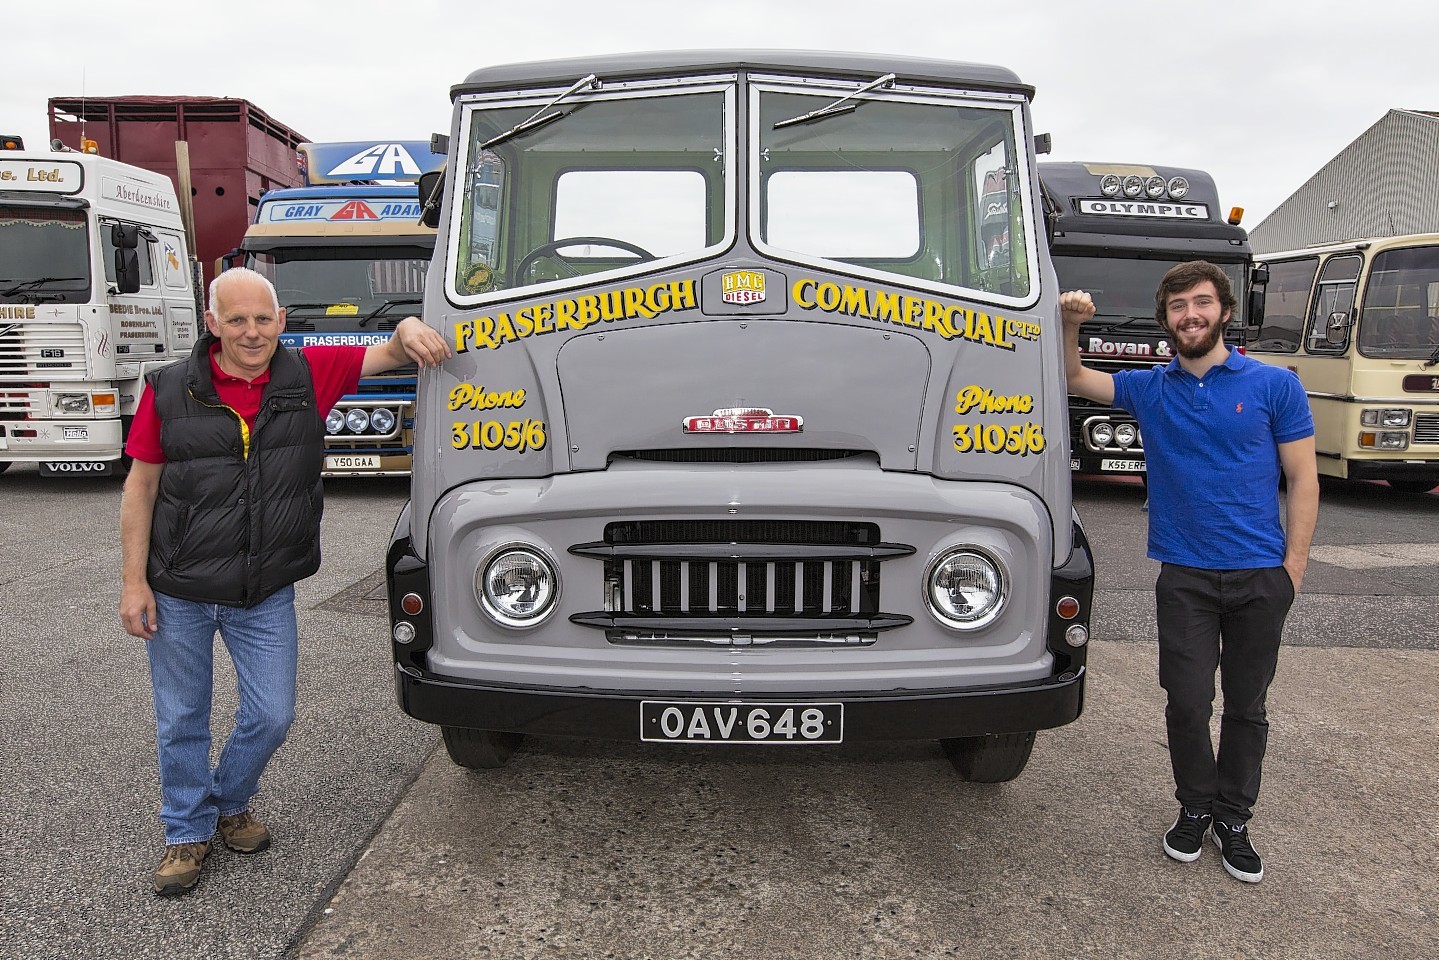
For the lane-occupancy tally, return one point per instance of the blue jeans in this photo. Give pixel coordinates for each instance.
(263, 641)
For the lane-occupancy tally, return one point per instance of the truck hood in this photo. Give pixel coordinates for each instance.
(850, 389)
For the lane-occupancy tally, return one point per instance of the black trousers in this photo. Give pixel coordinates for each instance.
(1229, 620)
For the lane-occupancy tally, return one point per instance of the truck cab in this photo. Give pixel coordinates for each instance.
(750, 435)
(96, 289)
(1115, 230)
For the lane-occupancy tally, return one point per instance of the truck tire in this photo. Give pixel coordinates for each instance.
(480, 749)
(1411, 486)
(4, 465)
(994, 758)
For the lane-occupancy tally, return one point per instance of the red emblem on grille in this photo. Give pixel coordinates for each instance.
(744, 420)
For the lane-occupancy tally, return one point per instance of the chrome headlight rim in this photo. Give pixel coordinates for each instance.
(546, 559)
(1002, 588)
(379, 415)
(334, 421)
(357, 415)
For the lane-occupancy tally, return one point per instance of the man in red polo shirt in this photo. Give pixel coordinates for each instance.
(220, 518)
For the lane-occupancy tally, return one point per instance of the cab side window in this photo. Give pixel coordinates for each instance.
(1335, 294)
(1286, 305)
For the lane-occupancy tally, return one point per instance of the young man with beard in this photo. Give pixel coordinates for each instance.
(1218, 429)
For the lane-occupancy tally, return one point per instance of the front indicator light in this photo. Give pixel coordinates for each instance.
(1077, 635)
(357, 420)
(412, 604)
(1067, 608)
(105, 403)
(966, 589)
(517, 587)
(1388, 440)
(334, 422)
(404, 632)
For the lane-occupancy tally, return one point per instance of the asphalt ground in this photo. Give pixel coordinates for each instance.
(591, 849)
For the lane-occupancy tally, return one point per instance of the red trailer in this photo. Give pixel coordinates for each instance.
(237, 152)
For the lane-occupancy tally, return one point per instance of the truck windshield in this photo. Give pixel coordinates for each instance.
(910, 183)
(332, 291)
(44, 255)
(1123, 290)
(623, 177)
(1401, 304)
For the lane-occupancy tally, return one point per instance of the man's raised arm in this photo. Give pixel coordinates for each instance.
(1075, 307)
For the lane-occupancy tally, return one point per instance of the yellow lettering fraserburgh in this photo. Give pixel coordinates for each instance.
(950, 321)
(491, 333)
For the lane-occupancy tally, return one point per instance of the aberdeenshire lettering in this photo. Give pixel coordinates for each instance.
(491, 333)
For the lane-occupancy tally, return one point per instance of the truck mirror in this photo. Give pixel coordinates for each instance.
(1335, 330)
(127, 269)
(124, 236)
(431, 190)
(1259, 276)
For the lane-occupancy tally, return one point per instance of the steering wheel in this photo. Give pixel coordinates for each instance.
(553, 248)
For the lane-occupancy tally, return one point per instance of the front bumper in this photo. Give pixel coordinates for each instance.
(615, 715)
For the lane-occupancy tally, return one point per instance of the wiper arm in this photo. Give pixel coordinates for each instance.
(37, 281)
(535, 119)
(387, 306)
(840, 106)
(1433, 359)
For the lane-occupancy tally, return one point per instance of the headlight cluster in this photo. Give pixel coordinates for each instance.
(1135, 186)
(966, 588)
(1391, 428)
(517, 585)
(82, 404)
(1104, 435)
(358, 420)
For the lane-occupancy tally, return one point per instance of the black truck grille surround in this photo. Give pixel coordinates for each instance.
(742, 581)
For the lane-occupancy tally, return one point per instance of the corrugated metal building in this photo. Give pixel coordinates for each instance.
(1384, 184)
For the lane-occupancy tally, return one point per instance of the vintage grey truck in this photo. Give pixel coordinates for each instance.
(755, 430)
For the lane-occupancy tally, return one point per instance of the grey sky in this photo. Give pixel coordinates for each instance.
(1260, 94)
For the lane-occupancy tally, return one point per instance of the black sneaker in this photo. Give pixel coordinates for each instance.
(1185, 840)
(1240, 858)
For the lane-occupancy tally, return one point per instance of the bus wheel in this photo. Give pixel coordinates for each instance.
(1412, 486)
(480, 749)
(995, 758)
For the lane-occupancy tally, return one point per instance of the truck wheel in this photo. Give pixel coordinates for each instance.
(1412, 486)
(4, 465)
(480, 749)
(994, 758)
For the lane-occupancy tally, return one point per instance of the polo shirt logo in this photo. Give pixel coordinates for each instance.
(1239, 408)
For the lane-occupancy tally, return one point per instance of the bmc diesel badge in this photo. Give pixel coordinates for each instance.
(742, 286)
(743, 420)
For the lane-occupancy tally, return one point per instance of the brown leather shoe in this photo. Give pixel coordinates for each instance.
(243, 833)
(179, 870)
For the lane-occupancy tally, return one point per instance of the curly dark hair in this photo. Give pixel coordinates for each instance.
(1184, 276)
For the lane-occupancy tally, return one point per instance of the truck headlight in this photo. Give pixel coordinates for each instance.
(357, 420)
(1154, 188)
(1389, 440)
(1390, 418)
(382, 420)
(1102, 434)
(72, 403)
(517, 586)
(334, 421)
(1178, 188)
(966, 588)
(1126, 434)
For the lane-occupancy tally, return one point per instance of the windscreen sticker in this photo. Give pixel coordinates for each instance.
(1019, 439)
(950, 321)
(491, 333)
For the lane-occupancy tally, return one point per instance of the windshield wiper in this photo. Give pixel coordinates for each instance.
(535, 120)
(387, 305)
(1433, 359)
(38, 281)
(840, 106)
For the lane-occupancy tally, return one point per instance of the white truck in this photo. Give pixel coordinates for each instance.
(96, 289)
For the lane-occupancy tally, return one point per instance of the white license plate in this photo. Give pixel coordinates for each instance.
(76, 433)
(667, 721)
(352, 462)
(1130, 465)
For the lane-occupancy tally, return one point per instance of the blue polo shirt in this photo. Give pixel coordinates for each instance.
(1211, 448)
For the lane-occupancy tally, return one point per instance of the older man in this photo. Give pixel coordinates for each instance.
(220, 518)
